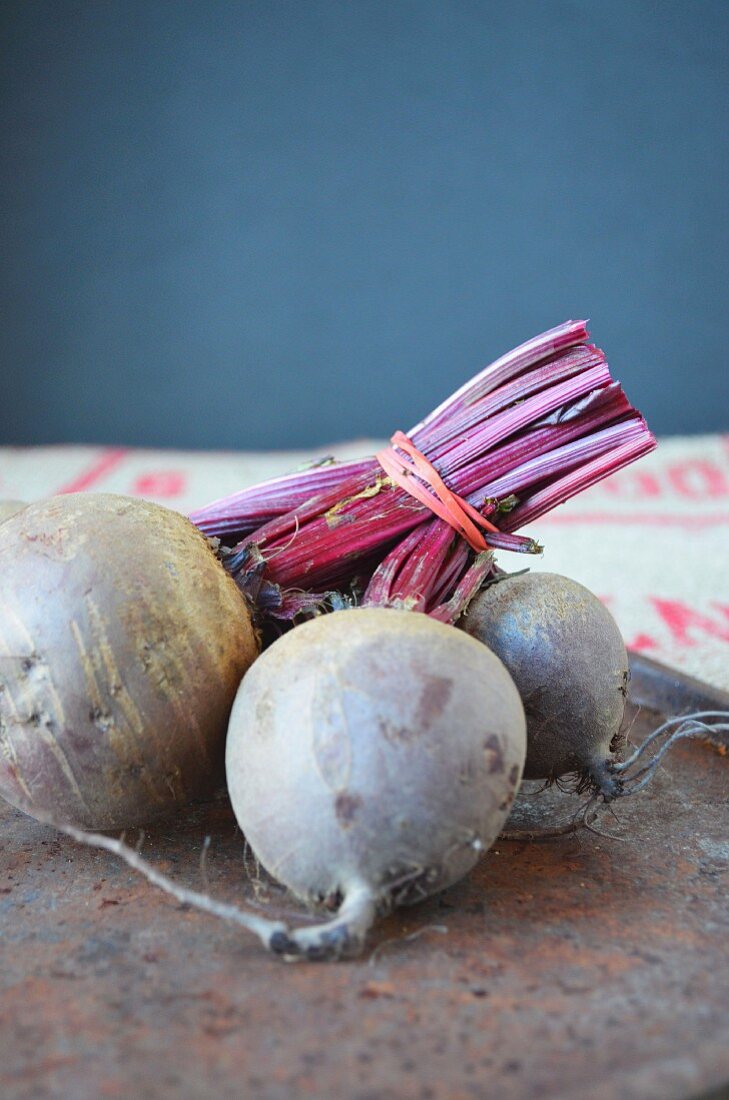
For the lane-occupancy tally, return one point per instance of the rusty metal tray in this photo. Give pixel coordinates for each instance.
(574, 967)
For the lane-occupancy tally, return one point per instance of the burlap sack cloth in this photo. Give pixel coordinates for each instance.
(652, 541)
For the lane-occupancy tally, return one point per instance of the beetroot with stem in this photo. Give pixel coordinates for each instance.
(540, 424)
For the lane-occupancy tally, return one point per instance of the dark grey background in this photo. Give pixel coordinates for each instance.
(275, 224)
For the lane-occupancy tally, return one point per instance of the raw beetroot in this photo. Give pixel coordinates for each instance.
(122, 644)
(371, 755)
(567, 658)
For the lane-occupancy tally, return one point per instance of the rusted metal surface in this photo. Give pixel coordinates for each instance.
(579, 966)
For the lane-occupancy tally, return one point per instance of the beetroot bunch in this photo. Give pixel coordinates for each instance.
(371, 754)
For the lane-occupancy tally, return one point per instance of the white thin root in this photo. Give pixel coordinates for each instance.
(268, 932)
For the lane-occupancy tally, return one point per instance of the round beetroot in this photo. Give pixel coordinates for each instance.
(122, 644)
(568, 660)
(371, 755)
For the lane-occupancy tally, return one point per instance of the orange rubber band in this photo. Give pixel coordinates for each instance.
(446, 504)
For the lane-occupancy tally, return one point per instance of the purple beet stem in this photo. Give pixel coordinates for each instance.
(539, 425)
